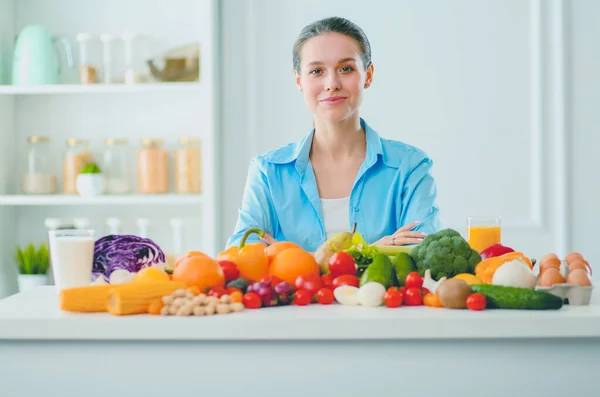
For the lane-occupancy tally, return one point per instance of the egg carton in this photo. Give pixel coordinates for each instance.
(573, 294)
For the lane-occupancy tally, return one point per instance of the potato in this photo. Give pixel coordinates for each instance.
(453, 293)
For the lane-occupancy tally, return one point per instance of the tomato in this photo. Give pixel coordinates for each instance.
(251, 300)
(325, 296)
(302, 297)
(273, 280)
(217, 291)
(393, 297)
(346, 279)
(342, 263)
(230, 270)
(413, 280)
(476, 301)
(402, 290)
(311, 284)
(327, 281)
(413, 297)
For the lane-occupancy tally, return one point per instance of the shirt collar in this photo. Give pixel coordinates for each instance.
(302, 150)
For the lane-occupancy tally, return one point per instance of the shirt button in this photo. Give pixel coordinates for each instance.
(355, 209)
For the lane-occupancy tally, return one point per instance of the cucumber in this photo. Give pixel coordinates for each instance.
(500, 297)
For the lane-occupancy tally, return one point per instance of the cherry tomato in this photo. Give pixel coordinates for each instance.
(311, 284)
(402, 290)
(327, 281)
(302, 298)
(413, 297)
(413, 280)
(393, 297)
(342, 263)
(273, 280)
(217, 291)
(325, 296)
(230, 270)
(346, 279)
(252, 301)
(476, 301)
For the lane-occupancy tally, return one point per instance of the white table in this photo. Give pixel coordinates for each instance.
(298, 351)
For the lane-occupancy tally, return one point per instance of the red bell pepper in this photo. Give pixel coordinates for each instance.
(495, 250)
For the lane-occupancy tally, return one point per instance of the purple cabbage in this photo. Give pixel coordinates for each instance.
(128, 252)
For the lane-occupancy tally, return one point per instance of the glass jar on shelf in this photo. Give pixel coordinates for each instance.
(153, 167)
(90, 58)
(137, 53)
(39, 176)
(113, 59)
(76, 157)
(115, 166)
(188, 166)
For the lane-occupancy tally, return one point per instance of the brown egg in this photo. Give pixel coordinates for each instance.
(572, 257)
(580, 264)
(548, 256)
(579, 277)
(549, 263)
(550, 277)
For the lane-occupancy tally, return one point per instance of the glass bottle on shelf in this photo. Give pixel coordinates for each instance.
(76, 157)
(90, 58)
(114, 59)
(40, 174)
(153, 167)
(137, 53)
(188, 166)
(115, 166)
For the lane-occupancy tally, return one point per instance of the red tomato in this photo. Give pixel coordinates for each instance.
(302, 297)
(251, 300)
(342, 263)
(311, 284)
(476, 301)
(217, 291)
(346, 279)
(273, 280)
(402, 290)
(413, 280)
(327, 281)
(413, 297)
(393, 297)
(230, 270)
(325, 296)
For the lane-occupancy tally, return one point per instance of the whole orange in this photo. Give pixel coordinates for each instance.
(190, 253)
(291, 263)
(200, 271)
(278, 247)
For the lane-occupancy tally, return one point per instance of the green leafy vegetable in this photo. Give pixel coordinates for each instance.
(91, 168)
(31, 260)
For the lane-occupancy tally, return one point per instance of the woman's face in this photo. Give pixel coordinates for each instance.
(332, 76)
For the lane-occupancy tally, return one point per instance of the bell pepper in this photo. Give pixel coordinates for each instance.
(486, 268)
(495, 250)
(250, 259)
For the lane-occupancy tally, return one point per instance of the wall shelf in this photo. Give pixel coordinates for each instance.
(100, 89)
(129, 199)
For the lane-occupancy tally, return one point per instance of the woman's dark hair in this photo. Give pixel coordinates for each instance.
(333, 25)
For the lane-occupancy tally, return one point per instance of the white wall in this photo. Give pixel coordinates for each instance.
(486, 88)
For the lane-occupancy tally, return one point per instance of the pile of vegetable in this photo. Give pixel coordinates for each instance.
(118, 257)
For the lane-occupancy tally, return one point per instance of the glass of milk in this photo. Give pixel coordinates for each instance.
(72, 255)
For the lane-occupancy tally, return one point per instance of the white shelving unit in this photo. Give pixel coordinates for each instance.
(95, 112)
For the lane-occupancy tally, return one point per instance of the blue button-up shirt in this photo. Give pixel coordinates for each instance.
(393, 187)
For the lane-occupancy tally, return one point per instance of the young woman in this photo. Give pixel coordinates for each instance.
(342, 172)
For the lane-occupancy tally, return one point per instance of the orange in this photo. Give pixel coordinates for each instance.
(150, 274)
(278, 247)
(199, 271)
(190, 253)
(291, 263)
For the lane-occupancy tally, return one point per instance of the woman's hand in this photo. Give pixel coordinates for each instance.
(402, 236)
(268, 239)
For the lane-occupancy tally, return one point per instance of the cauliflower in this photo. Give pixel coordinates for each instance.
(446, 253)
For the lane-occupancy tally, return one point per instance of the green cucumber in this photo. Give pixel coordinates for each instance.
(500, 297)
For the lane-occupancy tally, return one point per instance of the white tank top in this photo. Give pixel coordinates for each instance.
(336, 215)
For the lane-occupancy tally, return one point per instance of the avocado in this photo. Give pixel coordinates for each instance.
(403, 265)
(380, 271)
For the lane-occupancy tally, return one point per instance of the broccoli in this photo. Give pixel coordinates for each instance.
(446, 253)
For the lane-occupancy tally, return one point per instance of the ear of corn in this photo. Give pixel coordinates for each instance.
(135, 298)
(88, 299)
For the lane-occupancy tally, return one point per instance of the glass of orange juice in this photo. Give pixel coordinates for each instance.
(483, 231)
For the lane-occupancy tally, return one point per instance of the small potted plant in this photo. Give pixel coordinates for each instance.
(90, 182)
(33, 266)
